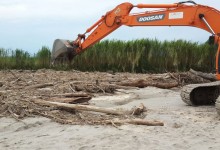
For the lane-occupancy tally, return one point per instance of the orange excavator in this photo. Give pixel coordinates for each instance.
(187, 13)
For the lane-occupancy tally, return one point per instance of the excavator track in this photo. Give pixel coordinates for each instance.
(201, 94)
(217, 105)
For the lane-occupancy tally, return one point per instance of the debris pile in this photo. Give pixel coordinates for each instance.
(64, 96)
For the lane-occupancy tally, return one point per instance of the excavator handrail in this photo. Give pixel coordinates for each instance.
(183, 2)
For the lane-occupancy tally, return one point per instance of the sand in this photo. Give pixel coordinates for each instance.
(185, 127)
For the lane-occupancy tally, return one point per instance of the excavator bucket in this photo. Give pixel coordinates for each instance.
(63, 51)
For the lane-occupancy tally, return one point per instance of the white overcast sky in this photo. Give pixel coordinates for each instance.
(31, 24)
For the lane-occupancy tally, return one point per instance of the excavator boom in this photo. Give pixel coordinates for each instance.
(186, 13)
(179, 14)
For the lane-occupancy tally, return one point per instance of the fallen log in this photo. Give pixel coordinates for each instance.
(3, 108)
(207, 76)
(164, 85)
(2, 92)
(39, 86)
(95, 88)
(1, 83)
(135, 122)
(123, 87)
(136, 83)
(79, 107)
(142, 83)
(72, 100)
(72, 95)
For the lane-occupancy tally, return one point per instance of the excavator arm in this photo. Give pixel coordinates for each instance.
(178, 14)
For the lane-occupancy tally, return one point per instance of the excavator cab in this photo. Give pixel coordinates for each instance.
(63, 51)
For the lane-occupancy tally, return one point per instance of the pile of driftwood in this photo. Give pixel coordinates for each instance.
(79, 108)
(73, 108)
(171, 80)
(64, 96)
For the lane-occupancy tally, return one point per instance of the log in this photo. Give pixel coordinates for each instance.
(72, 95)
(164, 85)
(136, 83)
(207, 76)
(103, 88)
(2, 92)
(70, 100)
(14, 74)
(79, 107)
(39, 86)
(95, 88)
(135, 122)
(1, 83)
(124, 87)
(142, 83)
(3, 108)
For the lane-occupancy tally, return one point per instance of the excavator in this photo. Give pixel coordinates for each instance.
(186, 13)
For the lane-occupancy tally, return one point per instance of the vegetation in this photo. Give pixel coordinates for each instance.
(19, 59)
(141, 56)
(147, 56)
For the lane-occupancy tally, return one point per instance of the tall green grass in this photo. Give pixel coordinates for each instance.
(147, 55)
(142, 56)
(20, 59)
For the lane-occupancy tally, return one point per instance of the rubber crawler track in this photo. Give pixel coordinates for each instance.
(217, 105)
(208, 93)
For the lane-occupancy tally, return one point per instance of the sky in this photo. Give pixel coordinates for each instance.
(31, 24)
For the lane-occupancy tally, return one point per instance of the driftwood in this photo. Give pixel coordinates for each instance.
(1, 83)
(123, 87)
(92, 88)
(3, 108)
(39, 86)
(79, 107)
(71, 100)
(135, 122)
(207, 76)
(2, 92)
(72, 95)
(14, 74)
(139, 110)
(142, 83)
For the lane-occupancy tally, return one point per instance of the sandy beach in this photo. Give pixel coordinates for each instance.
(185, 127)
